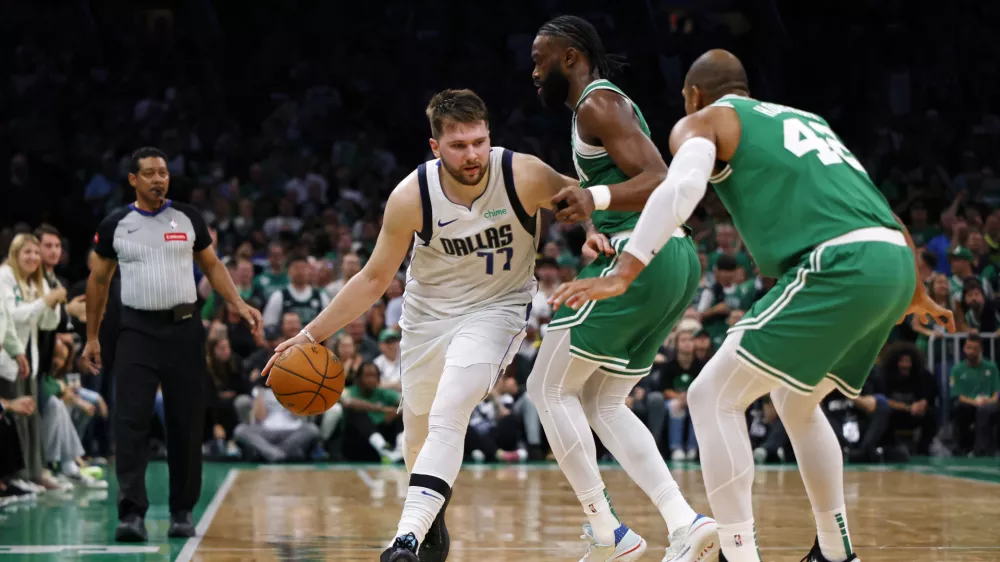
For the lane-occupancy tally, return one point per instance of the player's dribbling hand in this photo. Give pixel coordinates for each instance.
(576, 293)
(278, 351)
(92, 354)
(924, 307)
(596, 245)
(573, 204)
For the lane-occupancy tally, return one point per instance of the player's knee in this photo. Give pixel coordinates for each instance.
(536, 389)
(699, 398)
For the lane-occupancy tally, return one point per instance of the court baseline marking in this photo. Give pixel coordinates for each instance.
(187, 553)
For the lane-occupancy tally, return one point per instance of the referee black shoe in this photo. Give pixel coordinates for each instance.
(181, 525)
(437, 542)
(403, 549)
(131, 529)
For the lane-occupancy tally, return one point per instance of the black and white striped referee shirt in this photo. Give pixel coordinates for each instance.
(155, 252)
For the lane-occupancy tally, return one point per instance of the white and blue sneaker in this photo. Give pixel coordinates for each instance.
(628, 546)
(698, 542)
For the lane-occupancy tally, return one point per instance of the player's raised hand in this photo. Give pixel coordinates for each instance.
(596, 245)
(926, 309)
(573, 204)
(576, 293)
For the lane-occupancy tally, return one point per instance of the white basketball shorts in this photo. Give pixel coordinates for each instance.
(492, 336)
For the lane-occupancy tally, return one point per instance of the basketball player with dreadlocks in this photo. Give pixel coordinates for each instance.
(593, 357)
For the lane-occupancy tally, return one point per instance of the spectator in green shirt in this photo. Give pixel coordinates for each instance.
(961, 269)
(728, 243)
(974, 385)
(920, 230)
(275, 277)
(726, 295)
(373, 427)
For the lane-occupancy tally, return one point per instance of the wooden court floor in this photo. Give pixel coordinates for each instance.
(529, 513)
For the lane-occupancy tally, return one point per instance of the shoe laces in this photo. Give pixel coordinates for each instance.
(407, 541)
(676, 540)
(592, 544)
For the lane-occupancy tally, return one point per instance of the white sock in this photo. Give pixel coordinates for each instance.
(739, 542)
(676, 511)
(603, 519)
(378, 442)
(422, 507)
(834, 539)
(633, 446)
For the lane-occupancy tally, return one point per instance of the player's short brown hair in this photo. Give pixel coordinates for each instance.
(457, 106)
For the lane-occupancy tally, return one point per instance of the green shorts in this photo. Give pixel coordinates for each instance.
(829, 317)
(623, 334)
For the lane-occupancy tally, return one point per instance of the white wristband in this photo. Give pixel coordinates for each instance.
(308, 336)
(602, 196)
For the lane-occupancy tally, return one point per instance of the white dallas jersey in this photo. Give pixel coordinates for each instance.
(467, 259)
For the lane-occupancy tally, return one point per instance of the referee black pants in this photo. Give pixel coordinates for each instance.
(155, 351)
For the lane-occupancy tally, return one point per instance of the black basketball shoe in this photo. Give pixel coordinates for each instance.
(403, 549)
(816, 555)
(437, 542)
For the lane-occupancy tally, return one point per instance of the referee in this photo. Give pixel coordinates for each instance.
(161, 341)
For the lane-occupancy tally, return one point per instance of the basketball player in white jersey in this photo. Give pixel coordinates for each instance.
(471, 218)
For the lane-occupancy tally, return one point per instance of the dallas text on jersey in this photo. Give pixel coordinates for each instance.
(491, 238)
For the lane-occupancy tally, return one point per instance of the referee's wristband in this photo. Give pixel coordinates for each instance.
(601, 195)
(308, 336)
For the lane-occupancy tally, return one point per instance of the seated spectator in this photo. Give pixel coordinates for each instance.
(675, 378)
(911, 395)
(363, 343)
(494, 433)
(767, 434)
(388, 362)
(298, 296)
(350, 265)
(703, 348)
(940, 292)
(725, 295)
(961, 269)
(373, 428)
(86, 403)
(394, 303)
(347, 352)
(33, 305)
(61, 445)
(230, 401)
(274, 433)
(275, 276)
(977, 313)
(975, 382)
(860, 423)
(11, 457)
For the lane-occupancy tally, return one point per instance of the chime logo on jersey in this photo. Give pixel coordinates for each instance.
(490, 239)
(494, 213)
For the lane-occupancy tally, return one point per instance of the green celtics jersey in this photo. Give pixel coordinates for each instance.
(793, 185)
(595, 167)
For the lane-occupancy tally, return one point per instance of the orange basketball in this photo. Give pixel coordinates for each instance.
(307, 379)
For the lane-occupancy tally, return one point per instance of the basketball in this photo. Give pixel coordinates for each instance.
(307, 379)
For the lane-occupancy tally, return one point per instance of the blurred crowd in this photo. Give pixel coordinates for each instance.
(288, 139)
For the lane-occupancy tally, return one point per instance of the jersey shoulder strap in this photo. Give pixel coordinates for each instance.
(427, 228)
(507, 165)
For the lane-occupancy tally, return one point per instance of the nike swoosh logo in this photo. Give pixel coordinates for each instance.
(133, 230)
(424, 492)
(446, 223)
